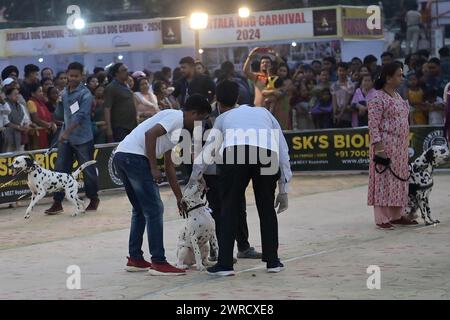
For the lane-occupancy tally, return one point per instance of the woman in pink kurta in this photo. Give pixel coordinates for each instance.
(389, 131)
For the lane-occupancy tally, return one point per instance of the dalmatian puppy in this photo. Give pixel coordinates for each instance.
(199, 231)
(42, 181)
(421, 182)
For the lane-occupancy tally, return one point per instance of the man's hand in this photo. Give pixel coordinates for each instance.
(63, 137)
(157, 175)
(282, 202)
(182, 208)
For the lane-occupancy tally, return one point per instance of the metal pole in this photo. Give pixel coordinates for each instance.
(197, 45)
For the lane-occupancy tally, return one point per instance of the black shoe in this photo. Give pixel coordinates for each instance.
(214, 259)
(275, 267)
(220, 271)
(250, 253)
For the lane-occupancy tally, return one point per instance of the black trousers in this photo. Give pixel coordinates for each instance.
(234, 179)
(215, 204)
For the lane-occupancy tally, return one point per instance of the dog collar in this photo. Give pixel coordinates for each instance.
(196, 207)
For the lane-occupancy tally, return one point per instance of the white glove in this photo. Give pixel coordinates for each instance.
(282, 202)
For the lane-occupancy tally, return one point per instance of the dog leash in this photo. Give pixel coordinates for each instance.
(386, 162)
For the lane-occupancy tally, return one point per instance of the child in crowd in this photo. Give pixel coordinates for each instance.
(415, 95)
(300, 104)
(322, 112)
(342, 91)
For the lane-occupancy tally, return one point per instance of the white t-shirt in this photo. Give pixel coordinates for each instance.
(171, 120)
(254, 126)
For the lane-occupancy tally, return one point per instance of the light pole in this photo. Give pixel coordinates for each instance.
(199, 21)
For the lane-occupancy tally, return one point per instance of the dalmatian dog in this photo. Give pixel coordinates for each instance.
(421, 182)
(200, 229)
(42, 181)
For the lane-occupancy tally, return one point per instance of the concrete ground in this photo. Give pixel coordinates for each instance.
(327, 242)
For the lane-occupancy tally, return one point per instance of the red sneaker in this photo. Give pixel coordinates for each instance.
(165, 269)
(138, 265)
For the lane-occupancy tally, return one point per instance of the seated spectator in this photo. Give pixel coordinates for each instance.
(300, 103)
(317, 67)
(415, 96)
(47, 73)
(162, 96)
(41, 117)
(61, 81)
(355, 64)
(92, 83)
(245, 93)
(342, 91)
(17, 122)
(131, 83)
(55, 108)
(324, 82)
(46, 83)
(201, 69)
(436, 108)
(434, 80)
(145, 101)
(370, 62)
(30, 80)
(98, 116)
(322, 112)
(329, 63)
(386, 58)
(360, 101)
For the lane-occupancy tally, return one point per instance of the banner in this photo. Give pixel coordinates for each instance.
(132, 35)
(324, 150)
(108, 177)
(348, 149)
(354, 24)
(222, 30)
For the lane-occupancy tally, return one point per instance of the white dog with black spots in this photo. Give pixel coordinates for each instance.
(42, 181)
(200, 229)
(421, 182)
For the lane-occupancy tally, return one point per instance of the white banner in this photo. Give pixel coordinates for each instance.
(141, 35)
(259, 27)
(133, 35)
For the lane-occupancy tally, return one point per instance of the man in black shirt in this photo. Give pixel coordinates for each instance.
(31, 78)
(192, 83)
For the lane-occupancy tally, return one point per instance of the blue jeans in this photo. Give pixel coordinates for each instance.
(64, 163)
(143, 193)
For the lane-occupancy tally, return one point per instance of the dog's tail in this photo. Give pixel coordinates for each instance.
(83, 166)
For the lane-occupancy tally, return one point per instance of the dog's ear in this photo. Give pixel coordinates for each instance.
(29, 161)
(429, 156)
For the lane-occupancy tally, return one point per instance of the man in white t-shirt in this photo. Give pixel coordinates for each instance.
(253, 147)
(136, 163)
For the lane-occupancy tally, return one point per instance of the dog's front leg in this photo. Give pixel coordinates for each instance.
(198, 254)
(181, 255)
(34, 200)
(426, 205)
